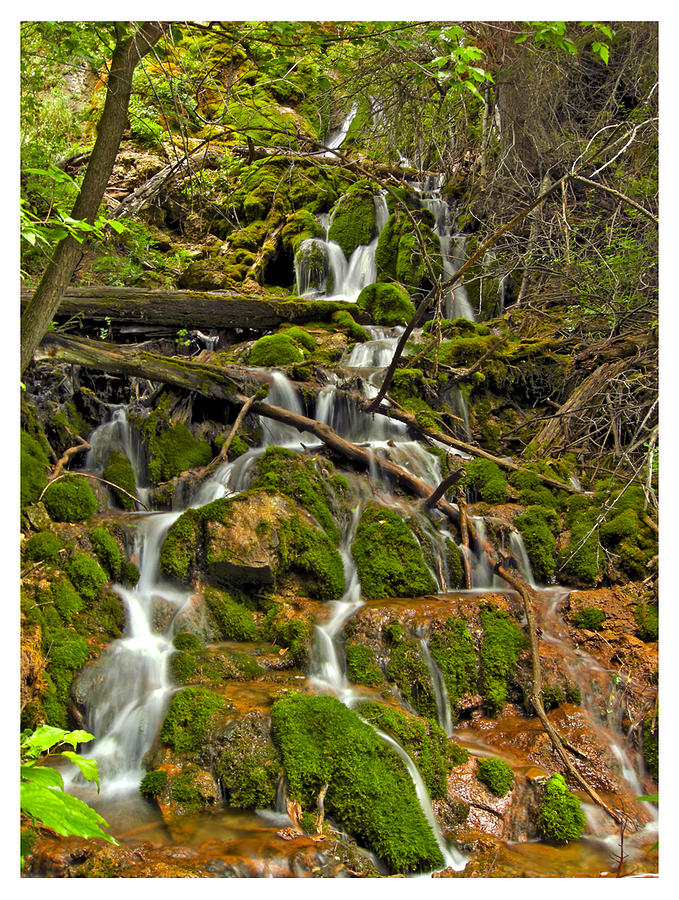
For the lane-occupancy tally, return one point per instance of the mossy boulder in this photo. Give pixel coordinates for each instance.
(42, 547)
(353, 219)
(590, 618)
(560, 818)
(173, 451)
(486, 480)
(119, 472)
(248, 766)
(408, 669)
(386, 303)
(300, 226)
(87, 576)
(34, 468)
(452, 647)
(369, 793)
(361, 665)
(108, 552)
(70, 499)
(398, 256)
(193, 716)
(234, 621)
(276, 350)
(389, 557)
(537, 526)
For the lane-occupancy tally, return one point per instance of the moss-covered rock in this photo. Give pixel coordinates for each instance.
(87, 576)
(289, 630)
(369, 791)
(191, 718)
(408, 669)
(276, 350)
(361, 665)
(452, 647)
(353, 219)
(248, 766)
(42, 547)
(344, 321)
(424, 741)
(152, 784)
(108, 552)
(70, 499)
(34, 468)
(589, 617)
(496, 775)
(398, 256)
(537, 530)
(174, 451)
(235, 621)
(386, 303)
(650, 743)
(486, 479)
(388, 557)
(310, 552)
(503, 642)
(119, 472)
(560, 818)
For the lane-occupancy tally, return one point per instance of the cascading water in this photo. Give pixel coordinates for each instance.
(440, 692)
(336, 139)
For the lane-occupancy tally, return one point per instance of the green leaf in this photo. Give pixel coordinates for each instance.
(47, 736)
(118, 227)
(61, 812)
(77, 737)
(648, 798)
(87, 766)
(42, 775)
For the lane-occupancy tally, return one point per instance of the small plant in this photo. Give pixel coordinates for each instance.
(182, 339)
(43, 798)
(105, 332)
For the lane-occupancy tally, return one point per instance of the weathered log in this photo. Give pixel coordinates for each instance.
(191, 309)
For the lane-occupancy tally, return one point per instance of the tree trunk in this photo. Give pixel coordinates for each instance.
(40, 311)
(191, 309)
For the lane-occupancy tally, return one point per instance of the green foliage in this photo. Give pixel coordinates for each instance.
(502, 645)
(537, 529)
(388, 557)
(43, 798)
(560, 818)
(87, 576)
(361, 665)
(589, 617)
(108, 552)
(386, 303)
(43, 546)
(190, 718)
(152, 784)
(119, 471)
(70, 499)
(369, 791)
(486, 479)
(452, 647)
(496, 775)
(276, 350)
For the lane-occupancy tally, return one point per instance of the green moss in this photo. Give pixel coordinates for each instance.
(353, 220)
(70, 499)
(650, 744)
(361, 665)
(369, 791)
(129, 573)
(178, 552)
(235, 621)
(188, 789)
(238, 448)
(152, 784)
(182, 666)
(539, 540)
(291, 633)
(344, 321)
(87, 576)
(502, 644)
(108, 552)
(34, 468)
(248, 767)
(42, 547)
(275, 350)
(174, 451)
(187, 642)
(486, 479)
(388, 557)
(300, 226)
(452, 647)
(455, 565)
(398, 256)
(496, 775)
(551, 696)
(408, 669)
(583, 556)
(386, 304)
(190, 718)
(311, 553)
(589, 617)
(295, 475)
(301, 337)
(66, 599)
(560, 818)
(646, 615)
(424, 741)
(119, 471)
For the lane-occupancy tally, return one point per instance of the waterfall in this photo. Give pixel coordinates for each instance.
(440, 691)
(518, 549)
(336, 139)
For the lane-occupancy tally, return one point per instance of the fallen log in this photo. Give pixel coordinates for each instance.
(190, 309)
